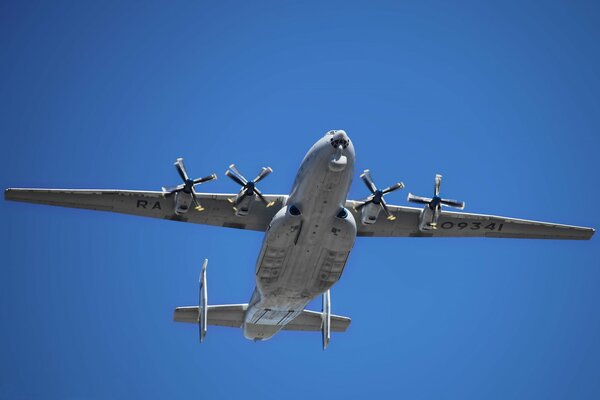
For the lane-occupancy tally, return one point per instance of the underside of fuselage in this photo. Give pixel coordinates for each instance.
(308, 241)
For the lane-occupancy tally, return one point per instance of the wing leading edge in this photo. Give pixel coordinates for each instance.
(154, 204)
(458, 224)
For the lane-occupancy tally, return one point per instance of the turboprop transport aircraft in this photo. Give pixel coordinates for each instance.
(308, 233)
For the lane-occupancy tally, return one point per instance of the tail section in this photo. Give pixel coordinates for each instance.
(233, 315)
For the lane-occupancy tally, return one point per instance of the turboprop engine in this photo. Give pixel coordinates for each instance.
(185, 194)
(433, 206)
(372, 205)
(249, 192)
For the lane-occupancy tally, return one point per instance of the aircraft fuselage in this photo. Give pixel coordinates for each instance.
(308, 241)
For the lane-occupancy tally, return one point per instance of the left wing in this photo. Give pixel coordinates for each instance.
(217, 209)
(458, 224)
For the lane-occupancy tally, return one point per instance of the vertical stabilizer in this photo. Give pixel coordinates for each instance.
(203, 302)
(326, 315)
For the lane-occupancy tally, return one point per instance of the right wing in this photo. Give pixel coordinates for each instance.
(459, 224)
(217, 209)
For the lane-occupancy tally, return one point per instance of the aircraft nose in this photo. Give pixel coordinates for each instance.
(338, 138)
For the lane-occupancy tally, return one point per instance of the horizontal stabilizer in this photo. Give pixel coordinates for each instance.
(224, 315)
(313, 320)
(233, 315)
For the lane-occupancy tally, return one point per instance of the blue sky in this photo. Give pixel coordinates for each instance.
(502, 98)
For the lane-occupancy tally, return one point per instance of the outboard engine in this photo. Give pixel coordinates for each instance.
(433, 206)
(185, 194)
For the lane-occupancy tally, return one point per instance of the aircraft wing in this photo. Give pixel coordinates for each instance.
(217, 209)
(458, 224)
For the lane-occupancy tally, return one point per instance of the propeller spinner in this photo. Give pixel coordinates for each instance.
(376, 196)
(188, 184)
(248, 187)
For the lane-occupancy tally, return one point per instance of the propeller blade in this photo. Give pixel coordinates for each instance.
(436, 187)
(181, 169)
(387, 211)
(240, 198)
(236, 172)
(263, 174)
(173, 189)
(188, 184)
(418, 199)
(366, 178)
(262, 198)
(196, 203)
(205, 179)
(453, 203)
(399, 185)
(434, 217)
(235, 178)
(377, 195)
(366, 201)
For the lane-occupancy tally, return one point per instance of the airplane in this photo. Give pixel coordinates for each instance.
(309, 233)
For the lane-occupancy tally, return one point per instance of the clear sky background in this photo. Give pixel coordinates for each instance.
(502, 98)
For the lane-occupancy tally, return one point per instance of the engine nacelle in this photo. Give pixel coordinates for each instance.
(243, 208)
(428, 219)
(183, 201)
(369, 213)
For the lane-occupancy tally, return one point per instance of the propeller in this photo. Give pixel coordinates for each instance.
(188, 184)
(376, 196)
(436, 202)
(248, 187)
